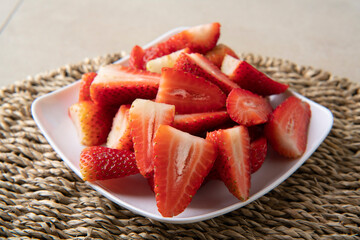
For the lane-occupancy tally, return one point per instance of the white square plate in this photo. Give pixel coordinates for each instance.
(50, 112)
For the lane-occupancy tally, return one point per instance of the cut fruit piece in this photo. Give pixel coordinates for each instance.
(145, 116)
(92, 122)
(86, 80)
(136, 59)
(182, 161)
(119, 136)
(200, 38)
(249, 78)
(199, 65)
(102, 163)
(217, 54)
(258, 151)
(155, 65)
(287, 129)
(117, 85)
(189, 93)
(195, 123)
(247, 108)
(233, 164)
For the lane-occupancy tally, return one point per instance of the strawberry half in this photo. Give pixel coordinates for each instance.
(287, 129)
(119, 136)
(136, 58)
(258, 151)
(102, 163)
(247, 108)
(217, 54)
(181, 161)
(195, 123)
(117, 85)
(186, 92)
(199, 65)
(92, 122)
(145, 116)
(249, 78)
(200, 38)
(86, 80)
(155, 65)
(233, 163)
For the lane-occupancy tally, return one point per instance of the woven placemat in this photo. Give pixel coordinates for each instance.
(42, 198)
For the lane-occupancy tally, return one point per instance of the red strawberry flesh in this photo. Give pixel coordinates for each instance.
(117, 85)
(247, 108)
(92, 122)
(199, 65)
(287, 129)
(182, 161)
(145, 116)
(86, 80)
(250, 78)
(186, 92)
(233, 162)
(258, 151)
(198, 122)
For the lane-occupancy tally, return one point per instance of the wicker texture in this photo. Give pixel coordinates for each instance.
(41, 198)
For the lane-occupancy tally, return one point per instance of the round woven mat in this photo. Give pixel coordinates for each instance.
(41, 198)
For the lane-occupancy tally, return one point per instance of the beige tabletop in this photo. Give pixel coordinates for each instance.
(39, 35)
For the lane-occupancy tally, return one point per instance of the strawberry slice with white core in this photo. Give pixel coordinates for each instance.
(199, 65)
(247, 108)
(155, 65)
(189, 93)
(117, 85)
(145, 116)
(119, 136)
(287, 129)
(233, 163)
(250, 78)
(195, 123)
(181, 161)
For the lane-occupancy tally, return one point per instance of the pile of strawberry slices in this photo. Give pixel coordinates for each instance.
(183, 112)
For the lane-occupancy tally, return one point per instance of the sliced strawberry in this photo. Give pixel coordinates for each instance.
(136, 59)
(102, 163)
(145, 116)
(117, 85)
(249, 78)
(92, 122)
(247, 108)
(258, 151)
(199, 65)
(217, 54)
(233, 162)
(181, 161)
(195, 123)
(287, 129)
(119, 136)
(155, 65)
(86, 80)
(213, 137)
(186, 92)
(200, 38)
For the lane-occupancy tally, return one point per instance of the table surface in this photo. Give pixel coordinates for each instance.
(38, 36)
